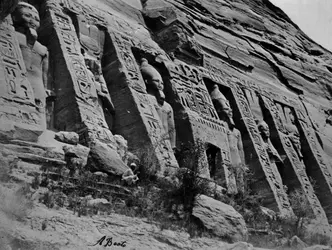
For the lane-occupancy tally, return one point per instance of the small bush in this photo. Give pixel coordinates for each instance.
(147, 164)
(247, 202)
(300, 204)
(6, 166)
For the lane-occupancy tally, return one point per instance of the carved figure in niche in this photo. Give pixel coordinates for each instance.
(155, 86)
(94, 68)
(35, 55)
(92, 42)
(225, 114)
(293, 132)
(270, 149)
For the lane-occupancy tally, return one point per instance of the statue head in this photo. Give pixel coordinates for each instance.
(222, 105)
(264, 129)
(153, 81)
(226, 109)
(26, 15)
(291, 117)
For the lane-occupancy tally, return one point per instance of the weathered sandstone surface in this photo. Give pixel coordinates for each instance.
(87, 84)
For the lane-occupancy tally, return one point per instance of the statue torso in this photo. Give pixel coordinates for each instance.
(233, 139)
(33, 56)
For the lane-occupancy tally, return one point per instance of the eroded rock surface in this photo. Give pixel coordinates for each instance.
(220, 219)
(105, 159)
(62, 230)
(67, 137)
(80, 72)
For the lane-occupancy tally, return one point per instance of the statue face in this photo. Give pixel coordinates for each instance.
(27, 16)
(264, 130)
(156, 83)
(226, 109)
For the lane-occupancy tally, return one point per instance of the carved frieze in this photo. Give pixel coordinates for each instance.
(295, 162)
(270, 172)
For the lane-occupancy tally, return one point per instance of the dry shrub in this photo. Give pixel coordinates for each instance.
(14, 203)
(147, 163)
(6, 166)
(300, 204)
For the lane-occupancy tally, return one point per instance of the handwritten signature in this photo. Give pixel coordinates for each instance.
(108, 242)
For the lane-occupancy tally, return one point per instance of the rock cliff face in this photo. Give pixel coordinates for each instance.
(238, 75)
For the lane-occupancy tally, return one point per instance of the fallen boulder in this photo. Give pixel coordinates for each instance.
(220, 219)
(105, 159)
(67, 137)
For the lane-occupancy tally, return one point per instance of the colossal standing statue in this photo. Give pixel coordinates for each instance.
(35, 55)
(94, 67)
(92, 42)
(155, 86)
(225, 113)
(293, 132)
(270, 149)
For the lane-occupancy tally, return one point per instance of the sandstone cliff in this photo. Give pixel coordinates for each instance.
(158, 76)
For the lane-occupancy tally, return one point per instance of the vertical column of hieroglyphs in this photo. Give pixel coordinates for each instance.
(134, 107)
(77, 108)
(295, 163)
(276, 197)
(226, 111)
(194, 109)
(320, 168)
(19, 117)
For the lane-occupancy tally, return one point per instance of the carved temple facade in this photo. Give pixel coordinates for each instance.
(189, 71)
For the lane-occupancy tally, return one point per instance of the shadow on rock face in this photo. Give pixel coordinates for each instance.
(7, 7)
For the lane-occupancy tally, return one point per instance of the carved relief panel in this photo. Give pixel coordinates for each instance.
(135, 105)
(192, 94)
(74, 79)
(295, 175)
(317, 164)
(17, 98)
(191, 89)
(268, 172)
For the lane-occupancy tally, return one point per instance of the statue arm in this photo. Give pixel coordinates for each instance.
(274, 152)
(171, 128)
(240, 147)
(45, 65)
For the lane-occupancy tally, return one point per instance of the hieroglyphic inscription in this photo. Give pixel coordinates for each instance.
(324, 166)
(155, 129)
(123, 46)
(146, 105)
(271, 173)
(16, 86)
(194, 96)
(212, 123)
(192, 90)
(296, 164)
(84, 88)
(319, 163)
